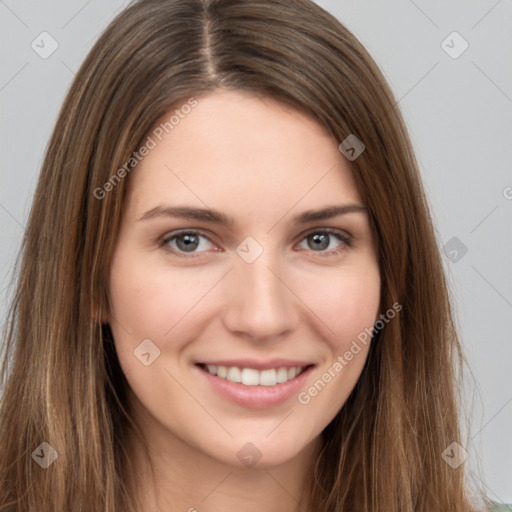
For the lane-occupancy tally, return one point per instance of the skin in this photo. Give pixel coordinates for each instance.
(261, 163)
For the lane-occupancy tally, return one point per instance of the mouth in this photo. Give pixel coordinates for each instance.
(249, 376)
(253, 384)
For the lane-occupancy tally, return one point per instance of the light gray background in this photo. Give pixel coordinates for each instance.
(459, 115)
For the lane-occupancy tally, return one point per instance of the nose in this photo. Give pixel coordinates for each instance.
(260, 302)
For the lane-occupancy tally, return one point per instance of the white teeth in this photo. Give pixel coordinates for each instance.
(268, 378)
(234, 374)
(292, 372)
(282, 375)
(252, 377)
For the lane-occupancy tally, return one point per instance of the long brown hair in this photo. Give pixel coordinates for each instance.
(62, 383)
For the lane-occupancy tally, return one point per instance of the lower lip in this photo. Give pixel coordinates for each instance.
(256, 397)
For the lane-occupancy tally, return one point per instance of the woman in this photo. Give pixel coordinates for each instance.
(177, 341)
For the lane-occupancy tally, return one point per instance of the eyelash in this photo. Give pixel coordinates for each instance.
(342, 237)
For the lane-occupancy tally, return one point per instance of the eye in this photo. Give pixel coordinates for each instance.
(320, 240)
(184, 242)
(188, 241)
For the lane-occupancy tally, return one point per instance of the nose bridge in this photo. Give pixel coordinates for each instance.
(260, 303)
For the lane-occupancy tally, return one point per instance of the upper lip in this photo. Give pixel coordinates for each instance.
(257, 365)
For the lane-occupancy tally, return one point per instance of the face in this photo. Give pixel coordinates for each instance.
(270, 294)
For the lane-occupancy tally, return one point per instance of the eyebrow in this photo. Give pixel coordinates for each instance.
(216, 217)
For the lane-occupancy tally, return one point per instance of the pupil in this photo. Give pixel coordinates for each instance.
(189, 241)
(321, 239)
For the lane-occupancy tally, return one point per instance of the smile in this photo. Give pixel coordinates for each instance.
(253, 377)
(270, 385)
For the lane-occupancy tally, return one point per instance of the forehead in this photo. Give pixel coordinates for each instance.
(235, 151)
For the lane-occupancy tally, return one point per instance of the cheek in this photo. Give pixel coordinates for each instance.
(140, 309)
(146, 300)
(347, 301)
(146, 305)
(349, 305)
(358, 304)
(151, 301)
